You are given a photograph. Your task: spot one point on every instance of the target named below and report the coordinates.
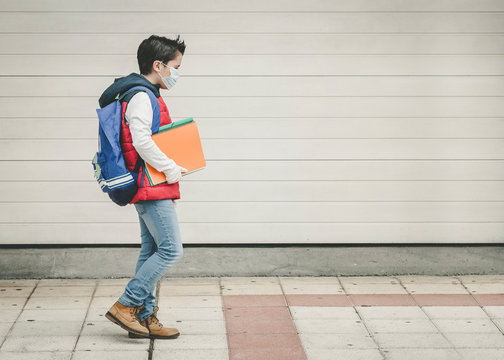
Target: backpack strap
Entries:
(137, 165)
(156, 118)
(156, 115)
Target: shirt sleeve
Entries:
(139, 118)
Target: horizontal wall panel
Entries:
(259, 212)
(296, 170)
(276, 149)
(257, 5)
(278, 128)
(258, 233)
(300, 107)
(321, 121)
(260, 65)
(93, 86)
(288, 191)
(260, 22)
(197, 44)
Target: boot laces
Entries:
(153, 317)
(134, 311)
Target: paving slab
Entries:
(268, 318)
(36, 355)
(455, 312)
(40, 342)
(190, 354)
(323, 312)
(422, 354)
(391, 312)
(112, 355)
(340, 341)
(411, 340)
(377, 326)
(347, 354)
(486, 354)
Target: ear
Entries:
(156, 66)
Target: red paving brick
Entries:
(489, 299)
(253, 300)
(260, 327)
(382, 300)
(318, 300)
(444, 300)
(257, 313)
(266, 354)
(264, 341)
(251, 326)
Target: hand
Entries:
(175, 175)
(174, 202)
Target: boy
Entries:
(159, 59)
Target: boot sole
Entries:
(153, 336)
(112, 318)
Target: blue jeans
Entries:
(161, 248)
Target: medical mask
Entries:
(169, 81)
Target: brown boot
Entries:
(126, 317)
(156, 329)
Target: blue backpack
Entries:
(108, 163)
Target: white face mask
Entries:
(169, 81)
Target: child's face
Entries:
(164, 71)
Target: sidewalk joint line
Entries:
(432, 322)
(85, 318)
(363, 322)
(290, 314)
(151, 343)
(22, 309)
(221, 287)
(481, 306)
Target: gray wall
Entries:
(321, 121)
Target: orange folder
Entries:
(181, 142)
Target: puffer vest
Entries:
(145, 190)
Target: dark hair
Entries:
(157, 48)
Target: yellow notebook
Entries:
(181, 142)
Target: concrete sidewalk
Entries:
(262, 318)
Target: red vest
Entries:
(145, 190)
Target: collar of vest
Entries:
(125, 83)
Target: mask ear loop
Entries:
(165, 65)
(159, 73)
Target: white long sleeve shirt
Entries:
(139, 118)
